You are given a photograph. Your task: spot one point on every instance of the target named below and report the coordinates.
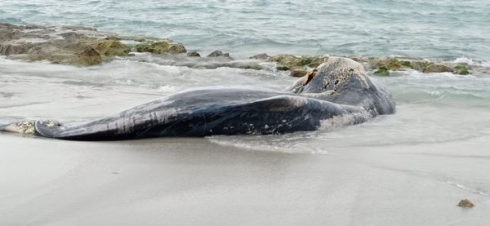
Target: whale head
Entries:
(335, 75)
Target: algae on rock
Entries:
(161, 46)
(382, 71)
(461, 70)
(292, 61)
(112, 47)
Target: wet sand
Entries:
(197, 182)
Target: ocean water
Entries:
(444, 29)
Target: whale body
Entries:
(340, 88)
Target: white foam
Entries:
(464, 60)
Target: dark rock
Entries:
(407, 64)
(465, 203)
(252, 66)
(218, 53)
(193, 54)
(262, 56)
(282, 68)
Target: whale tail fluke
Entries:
(23, 127)
(44, 128)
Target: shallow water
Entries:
(438, 29)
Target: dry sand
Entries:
(197, 182)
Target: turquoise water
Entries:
(443, 29)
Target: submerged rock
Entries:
(461, 70)
(387, 64)
(382, 71)
(252, 66)
(430, 67)
(465, 203)
(383, 66)
(193, 54)
(262, 56)
(219, 53)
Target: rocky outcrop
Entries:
(85, 46)
(382, 67)
(75, 45)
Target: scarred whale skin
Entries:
(340, 88)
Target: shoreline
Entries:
(85, 46)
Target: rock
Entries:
(72, 44)
(407, 64)
(291, 61)
(262, 56)
(382, 71)
(8, 49)
(437, 68)
(112, 48)
(420, 65)
(430, 67)
(465, 203)
(461, 70)
(193, 54)
(218, 53)
(298, 73)
(282, 68)
(161, 46)
(88, 57)
(252, 66)
(384, 65)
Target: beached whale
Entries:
(339, 90)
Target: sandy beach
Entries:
(196, 182)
